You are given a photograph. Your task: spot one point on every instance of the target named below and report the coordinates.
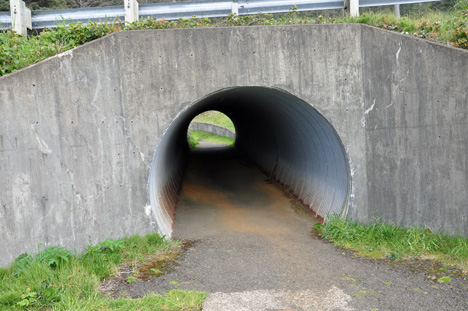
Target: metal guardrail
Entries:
(371, 3)
(175, 10)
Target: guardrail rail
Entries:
(131, 11)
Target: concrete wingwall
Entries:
(416, 98)
(79, 131)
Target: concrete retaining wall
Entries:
(79, 130)
(212, 128)
(416, 95)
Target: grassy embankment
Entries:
(382, 240)
(213, 117)
(17, 52)
(54, 279)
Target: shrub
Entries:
(193, 143)
(459, 33)
(54, 256)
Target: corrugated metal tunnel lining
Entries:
(287, 138)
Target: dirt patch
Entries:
(154, 265)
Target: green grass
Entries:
(212, 138)
(17, 52)
(174, 300)
(215, 117)
(54, 279)
(443, 27)
(382, 240)
(193, 143)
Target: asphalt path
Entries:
(253, 248)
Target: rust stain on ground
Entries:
(266, 218)
(224, 198)
(233, 216)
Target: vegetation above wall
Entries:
(16, 52)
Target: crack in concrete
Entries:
(43, 147)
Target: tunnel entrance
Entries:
(289, 140)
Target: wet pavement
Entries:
(253, 248)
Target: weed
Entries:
(27, 299)
(393, 256)
(96, 261)
(54, 256)
(49, 293)
(131, 279)
(155, 239)
(21, 264)
(111, 246)
(458, 34)
(445, 279)
(137, 247)
(193, 143)
(394, 242)
(101, 258)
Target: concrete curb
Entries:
(333, 299)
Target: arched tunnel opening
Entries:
(288, 139)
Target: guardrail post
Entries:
(352, 6)
(131, 11)
(20, 17)
(397, 10)
(235, 7)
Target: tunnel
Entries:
(288, 139)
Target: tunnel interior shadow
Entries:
(285, 137)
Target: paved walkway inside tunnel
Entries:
(253, 250)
